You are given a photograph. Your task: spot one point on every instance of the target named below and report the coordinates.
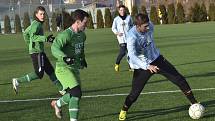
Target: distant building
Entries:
(128, 3)
(69, 1)
(92, 8)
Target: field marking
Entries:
(108, 95)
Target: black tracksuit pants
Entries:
(140, 78)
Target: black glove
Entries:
(68, 60)
(84, 63)
(50, 38)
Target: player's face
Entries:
(144, 27)
(121, 11)
(82, 24)
(40, 15)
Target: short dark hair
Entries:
(121, 6)
(39, 8)
(141, 19)
(79, 15)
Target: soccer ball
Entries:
(196, 111)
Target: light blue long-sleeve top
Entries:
(122, 26)
(141, 48)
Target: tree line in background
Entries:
(169, 15)
(175, 15)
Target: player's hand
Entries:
(68, 60)
(84, 63)
(119, 34)
(153, 69)
(50, 38)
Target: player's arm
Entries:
(131, 24)
(33, 36)
(83, 60)
(83, 53)
(114, 27)
(132, 54)
(151, 26)
(26, 34)
(56, 48)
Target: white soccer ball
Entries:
(196, 111)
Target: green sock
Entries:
(59, 86)
(63, 100)
(27, 78)
(74, 107)
(54, 79)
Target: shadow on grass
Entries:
(187, 77)
(196, 62)
(7, 83)
(151, 82)
(138, 115)
(101, 116)
(106, 89)
(13, 108)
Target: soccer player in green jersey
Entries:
(34, 38)
(68, 48)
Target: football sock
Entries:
(190, 97)
(63, 100)
(27, 78)
(125, 108)
(73, 119)
(54, 79)
(59, 85)
(74, 107)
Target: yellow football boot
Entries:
(116, 67)
(122, 115)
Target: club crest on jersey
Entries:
(78, 47)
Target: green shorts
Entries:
(67, 76)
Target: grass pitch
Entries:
(190, 47)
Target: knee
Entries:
(75, 92)
(123, 53)
(180, 80)
(39, 74)
(183, 85)
(49, 69)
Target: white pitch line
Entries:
(108, 95)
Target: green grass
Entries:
(190, 47)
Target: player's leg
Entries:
(38, 65)
(69, 80)
(51, 73)
(38, 73)
(75, 94)
(140, 78)
(58, 28)
(122, 52)
(169, 71)
(57, 104)
(72, 97)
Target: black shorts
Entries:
(41, 64)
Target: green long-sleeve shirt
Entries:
(34, 37)
(69, 44)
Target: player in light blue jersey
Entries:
(146, 60)
(120, 27)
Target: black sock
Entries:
(125, 108)
(190, 96)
